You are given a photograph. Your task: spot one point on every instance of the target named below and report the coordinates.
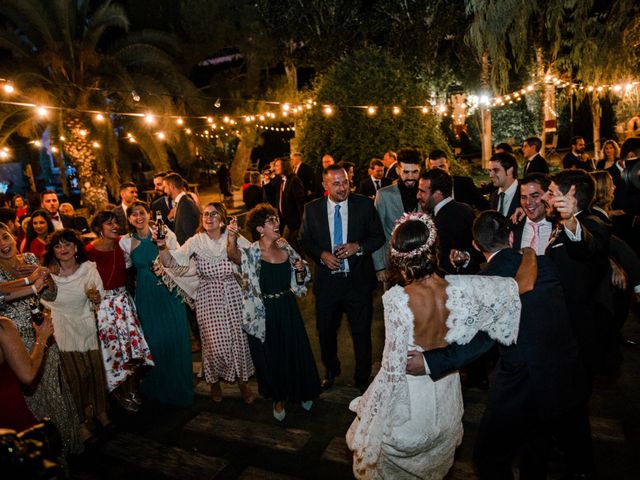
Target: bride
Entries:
(409, 426)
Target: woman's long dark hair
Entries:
(31, 233)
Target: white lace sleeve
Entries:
(386, 402)
(487, 303)
(125, 245)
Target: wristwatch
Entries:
(359, 252)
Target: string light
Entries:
(328, 110)
(41, 111)
(95, 145)
(396, 110)
(149, 119)
(8, 88)
(371, 110)
(99, 117)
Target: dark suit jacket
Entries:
(454, 222)
(77, 222)
(293, 200)
(187, 219)
(391, 172)
(161, 204)
(364, 227)
(306, 175)
(123, 223)
(252, 196)
(581, 266)
(537, 165)
(515, 202)
(464, 190)
(543, 367)
(572, 161)
(368, 189)
(624, 198)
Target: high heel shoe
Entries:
(307, 404)
(247, 394)
(281, 414)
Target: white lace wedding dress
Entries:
(409, 426)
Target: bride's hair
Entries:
(413, 249)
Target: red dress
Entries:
(14, 413)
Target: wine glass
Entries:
(91, 290)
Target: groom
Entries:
(538, 385)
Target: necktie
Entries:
(377, 185)
(536, 236)
(337, 231)
(501, 202)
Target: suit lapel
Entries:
(323, 218)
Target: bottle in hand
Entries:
(37, 315)
(160, 233)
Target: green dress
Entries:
(164, 322)
(285, 367)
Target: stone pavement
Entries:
(231, 440)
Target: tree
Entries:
(77, 57)
(369, 77)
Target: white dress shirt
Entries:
(509, 195)
(544, 233)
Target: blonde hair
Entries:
(604, 189)
(616, 149)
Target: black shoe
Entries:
(328, 380)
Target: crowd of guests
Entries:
(129, 290)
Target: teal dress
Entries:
(164, 322)
(285, 367)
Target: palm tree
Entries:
(78, 57)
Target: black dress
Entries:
(285, 367)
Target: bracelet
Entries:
(35, 290)
(44, 345)
(26, 281)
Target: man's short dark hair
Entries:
(332, 168)
(505, 147)
(347, 165)
(412, 156)
(534, 142)
(491, 231)
(375, 162)
(48, 192)
(507, 161)
(176, 180)
(160, 175)
(439, 181)
(7, 215)
(584, 183)
(574, 140)
(125, 185)
(437, 154)
(540, 178)
(630, 145)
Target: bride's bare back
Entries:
(427, 302)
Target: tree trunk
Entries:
(596, 116)
(290, 68)
(485, 113)
(240, 163)
(93, 191)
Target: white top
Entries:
(73, 320)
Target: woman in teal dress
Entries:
(163, 317)
(273, 275)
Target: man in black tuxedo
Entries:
(464, 190)
(535, 163)
(580, 252)
(305, 173)
(128, 195)
(503, 171)
(339, 233)
(162, 202)
(290, 200)
(187, 213)
(538, 384)
(453, 220)
(49, 201)
(375, 181)
(576, 157)
(535, 229)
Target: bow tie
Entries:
(56, 217)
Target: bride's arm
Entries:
(527, 271)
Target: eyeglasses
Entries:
(211, 214)
(272, 219)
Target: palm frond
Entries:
(106, 16)
(30, 17)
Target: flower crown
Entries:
(424, 218)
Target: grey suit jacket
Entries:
(388, 203)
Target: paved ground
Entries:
(233, 441)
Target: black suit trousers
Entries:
(357, 304)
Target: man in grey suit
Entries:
(187, 213)
(395, 200)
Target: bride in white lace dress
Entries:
(409, 426)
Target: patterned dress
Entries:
(49, 395)
(219, 310)
(122, 342)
